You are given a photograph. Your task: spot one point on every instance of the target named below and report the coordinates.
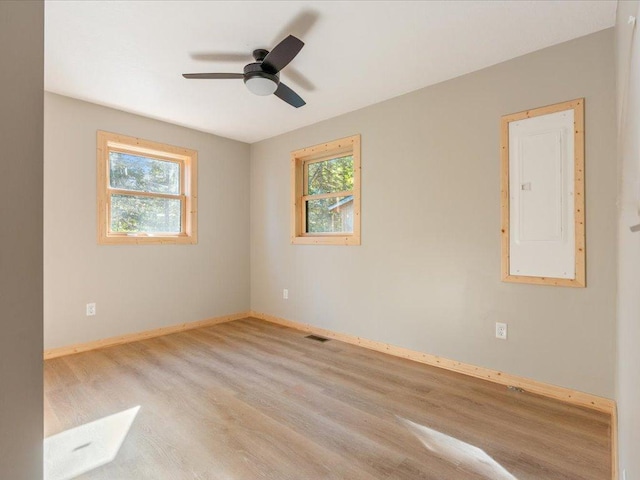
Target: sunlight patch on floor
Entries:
(458, 452)
(81, 449)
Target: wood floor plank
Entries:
(252, 400)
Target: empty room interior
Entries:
(320, 240)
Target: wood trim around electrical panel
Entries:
(577, 106)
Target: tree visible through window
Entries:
(146, 191)
(326, 193)
(329, 214)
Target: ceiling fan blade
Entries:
(221, 57)
(208, 76)
(292, 98)
(282, 54)
(299, 25)
(299, 79)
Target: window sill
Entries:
(147, 240)
(348, 240)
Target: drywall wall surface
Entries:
(427, 275)
(21, 87)
(628, 362)
(137, 287)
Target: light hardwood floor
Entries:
(252, 400)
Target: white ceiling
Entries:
(130, 55)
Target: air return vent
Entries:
(317, 338)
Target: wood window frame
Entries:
(299, 161)
(188, 161)
(579, 281)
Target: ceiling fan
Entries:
(262, 77)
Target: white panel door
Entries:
(541, 191)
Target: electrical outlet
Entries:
(501, 331)
(285, 294)
(91, 309)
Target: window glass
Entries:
(134, 214)
(330, 215)
(143, 174)
(333, 175)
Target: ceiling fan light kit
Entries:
(261, 85)
(262, 77)
(257, 80)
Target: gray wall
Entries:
(21, 83)
(137, 287)
(427, 275)
(628, 365)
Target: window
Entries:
(146, 191)
(326, 193)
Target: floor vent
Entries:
(317, 338)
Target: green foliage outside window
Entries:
(334, 175)
(330, 214)
(132, 214)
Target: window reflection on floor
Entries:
(81, 449)
(456, 451)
